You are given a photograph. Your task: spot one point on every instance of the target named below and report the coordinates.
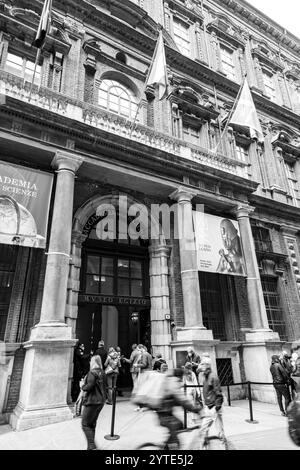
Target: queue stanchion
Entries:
(251, 420)
(112, 436)
(184, 411)
(228, 395)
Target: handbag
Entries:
(109, 370)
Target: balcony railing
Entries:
(15, 87)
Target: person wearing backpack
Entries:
(93, 400)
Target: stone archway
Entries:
(158, 274)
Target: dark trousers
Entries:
(174, 425)
(282, 391)
(88, 423)
(111, 380)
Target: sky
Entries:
(284, 12)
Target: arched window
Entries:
(117, 98)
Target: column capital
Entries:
(66, 161)
(243, 210)
(182, 195)
(78, 238)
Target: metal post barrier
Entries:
(251, 420)
(112, 436)
(228, 395)
(184, 411)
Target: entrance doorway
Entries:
(115, 324)
(114, 300)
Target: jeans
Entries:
(211, 425)
(282, 390)
(111, 382)
(88, 423)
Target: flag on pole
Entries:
(43, 25)
(158, 70)
(245, 114)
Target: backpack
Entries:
(150, 390)
(293, 414)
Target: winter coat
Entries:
(94, 387)
(158, 363)
(279, 374)
(145, 361)
(212, 392)
(102, 353)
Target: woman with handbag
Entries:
(94, 394)
(111, 365)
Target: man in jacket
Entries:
(280, 382)
(145, 362)
(101, 351)
(213, 399)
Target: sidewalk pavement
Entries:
(135, 428)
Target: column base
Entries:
(200, 339)
(262, 335)
(258, 349)
(43, 394)
(22, 419)
(194, 333)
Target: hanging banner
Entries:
(219, 247)
(24, 205)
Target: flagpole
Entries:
(38, 54)
(144, 89)
(230, 114)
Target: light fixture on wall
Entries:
(135, 317)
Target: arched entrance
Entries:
(118, 290)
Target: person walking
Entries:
(212, 410)
(111, 365)
(280, 383)
(93, 400)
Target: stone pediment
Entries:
(285, 139)
(264, 53)
(226, 29)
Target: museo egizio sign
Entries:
(113, 300)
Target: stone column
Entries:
(256, 302)
(160, 307)
(43, 394)
(260, 342)
(193, 330)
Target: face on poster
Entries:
(24, 205)
(218, 244)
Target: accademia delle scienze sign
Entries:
(24, 205)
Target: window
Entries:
(269, 86)
(191, 134)
(117, 98)
(262, 239)
(293, 186)
(273, 306)
(8, 256)
(22, 67)
(224, 370)
(242, 153)
(109, 275)
(227, 62)
(182, 37)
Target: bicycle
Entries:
(209, 442)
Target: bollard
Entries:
(228, 395)
(112, 436)
(184, 411)
(251, 420)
